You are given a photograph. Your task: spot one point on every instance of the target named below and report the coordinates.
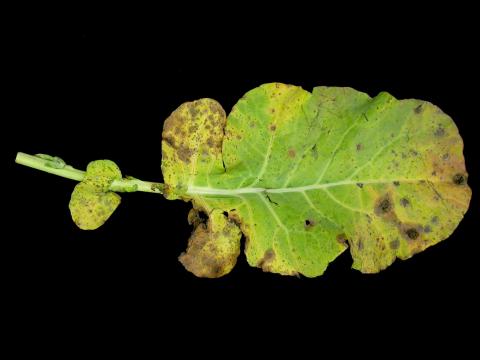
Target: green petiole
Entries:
(56, 166)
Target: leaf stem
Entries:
(53, 166)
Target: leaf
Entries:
(307, 175)
(91, 203)
(212, 249)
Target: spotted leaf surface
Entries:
(306, 176)
(91, 203)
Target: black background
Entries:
(101, 88)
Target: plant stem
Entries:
(66, 171)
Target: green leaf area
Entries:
(305, 176)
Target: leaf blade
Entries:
(338, 169)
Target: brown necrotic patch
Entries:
(384, 205)
(410, 231)
(273, 127)
(342, 238)
(184, 153)
(266, 260)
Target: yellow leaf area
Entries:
(305, 176)
(91, 203)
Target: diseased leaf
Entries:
(92, 203)
(213, 248)
(307, 175)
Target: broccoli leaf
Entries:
(305, 176)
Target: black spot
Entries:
(404, 202)
(427, 229)
(396, 183)
(434, 220)
(412, 233)
(445, 156)
(309, 223)
(418, 109)
(360, 185)
(359, 146)
(459, 179)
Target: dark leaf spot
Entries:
(273, 127)
(291, 153)
(440, 131)
(459, 179)
(383, 206)
(434, 220)
(396, 183)
(309, 223)
(394, 244)
(268, 257)
(418, 109)
(427, 229)
(342, 238)
(412, 233)
(404, 202)
(359, 146)
(360, 185)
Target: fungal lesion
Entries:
(384, 205)
(459, 179)
(214, 245)
(412, 233)
(309, 223)
(265, 262)
(418, 109)
(342, 239)
(384, 208)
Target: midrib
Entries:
(205, 190)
